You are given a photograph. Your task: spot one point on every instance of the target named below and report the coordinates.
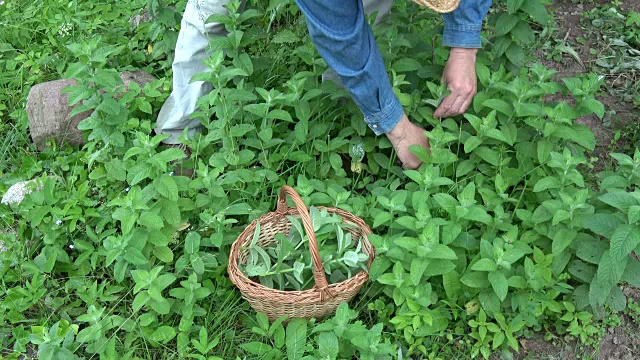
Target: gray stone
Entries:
(142, 17)
(48, 110)
(16, 193)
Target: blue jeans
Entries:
(344, 39)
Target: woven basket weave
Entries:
(441, 6)
(323, 298)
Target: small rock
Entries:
(138, 19)
(616, 340)
(16, 193)
(48, 110)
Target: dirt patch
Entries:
(618, 343)
(629, 5)
(537, 348)
(573, 41)
(623, 342)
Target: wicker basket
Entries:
(441, 6)
(323, 298)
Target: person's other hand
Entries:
(404, 135)
(460, 76)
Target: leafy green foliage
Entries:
(513, 30)
(499, 234)
(289, 266)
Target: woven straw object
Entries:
(323, 298)
(441, 6)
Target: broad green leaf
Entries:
(549, 182)
(634, 214)
(192, 243)
(150, 220)
(489, 155)
(515, 54)
(499, 105)
(544, 149)
(582, 271)
(475, 279)
(163, 253)
(418, 268)
(406, 242)
(328, 345)
(171, 212)
(602, 224)
(472, 143)
(467, 195)
(256, 348)
(624, 240)
(505, 23)
(280, 115)
(296, 338)
(239, 130)
(116, 169)
(170, 155)
(611, 269)
(537, 11)
(484, 265)
(477, 213)
(562, 239)
(164, 334)
(598, 293)
(525, 34)
(166, 186)
(382, 218)
(617, 301)
(406, 64)
(135, 256)
(517, 282)
(452, 284)
(499, 284)
(514, 5)
(591, 251)
(632, 273)
(489, 301)
(593, 105)
(438, 267)
(439, 251)
(619, 199)
(446, 201)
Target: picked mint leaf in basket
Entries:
(288, 265)
(280, 262)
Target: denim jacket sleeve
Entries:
(342, 36)
(462, 27)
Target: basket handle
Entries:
(318, 269)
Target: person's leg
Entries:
(381, 8)
(191, 49)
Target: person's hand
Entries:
(404, 135)
(460, 76)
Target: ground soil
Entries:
(569, 28)
(619, 343)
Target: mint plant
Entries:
(288, 264)
(509, 229)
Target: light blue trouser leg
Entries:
(192, 48)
